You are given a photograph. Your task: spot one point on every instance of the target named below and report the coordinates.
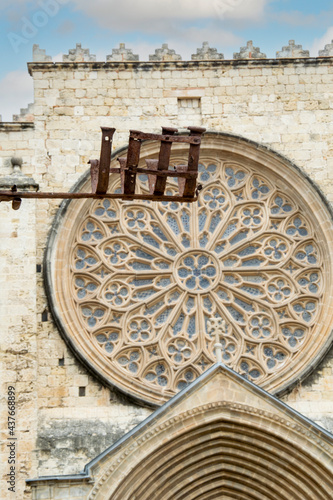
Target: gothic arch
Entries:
(227, 459)
(221, 437)
(131, 285)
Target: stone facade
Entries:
(283, 105)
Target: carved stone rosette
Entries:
(134, 285)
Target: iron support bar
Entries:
(10, 196)
(105, 160)
(193, 160)
(133, 158)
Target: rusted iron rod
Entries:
(9, 196)
(144, 136)
(132, 161)
(105, 160)
(193, 160)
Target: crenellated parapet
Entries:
(122, 54)
(39, 55)
(327, 51)
(79, 55)
(292, 51)
(165, 54)
(249, 52)
(206, 53)
(25, 115)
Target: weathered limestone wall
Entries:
(17, 139)
(18, 344)
(65, 417)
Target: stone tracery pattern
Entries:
(147, 277)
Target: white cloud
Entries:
(28, 4)
(16, 91)
(158, 17)
(217, 37)
(319, 43)
(17, 11)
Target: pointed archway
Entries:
(227, 459)
(222, 437)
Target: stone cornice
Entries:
(16, 126)
(149, 65)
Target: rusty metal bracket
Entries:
(157, 170)
(13, 197)
(163, 161)
(100, 170)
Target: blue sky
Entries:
(100, 25)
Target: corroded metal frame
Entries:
(157, 170)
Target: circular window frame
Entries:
(280, 171)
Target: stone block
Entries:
(41, 84)
(81, 380)
(78, 491)
(43, 493)
(61, 492)
(80, 93)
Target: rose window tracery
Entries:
(146, 277)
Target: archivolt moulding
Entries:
(236, 442)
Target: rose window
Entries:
(143, 279)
